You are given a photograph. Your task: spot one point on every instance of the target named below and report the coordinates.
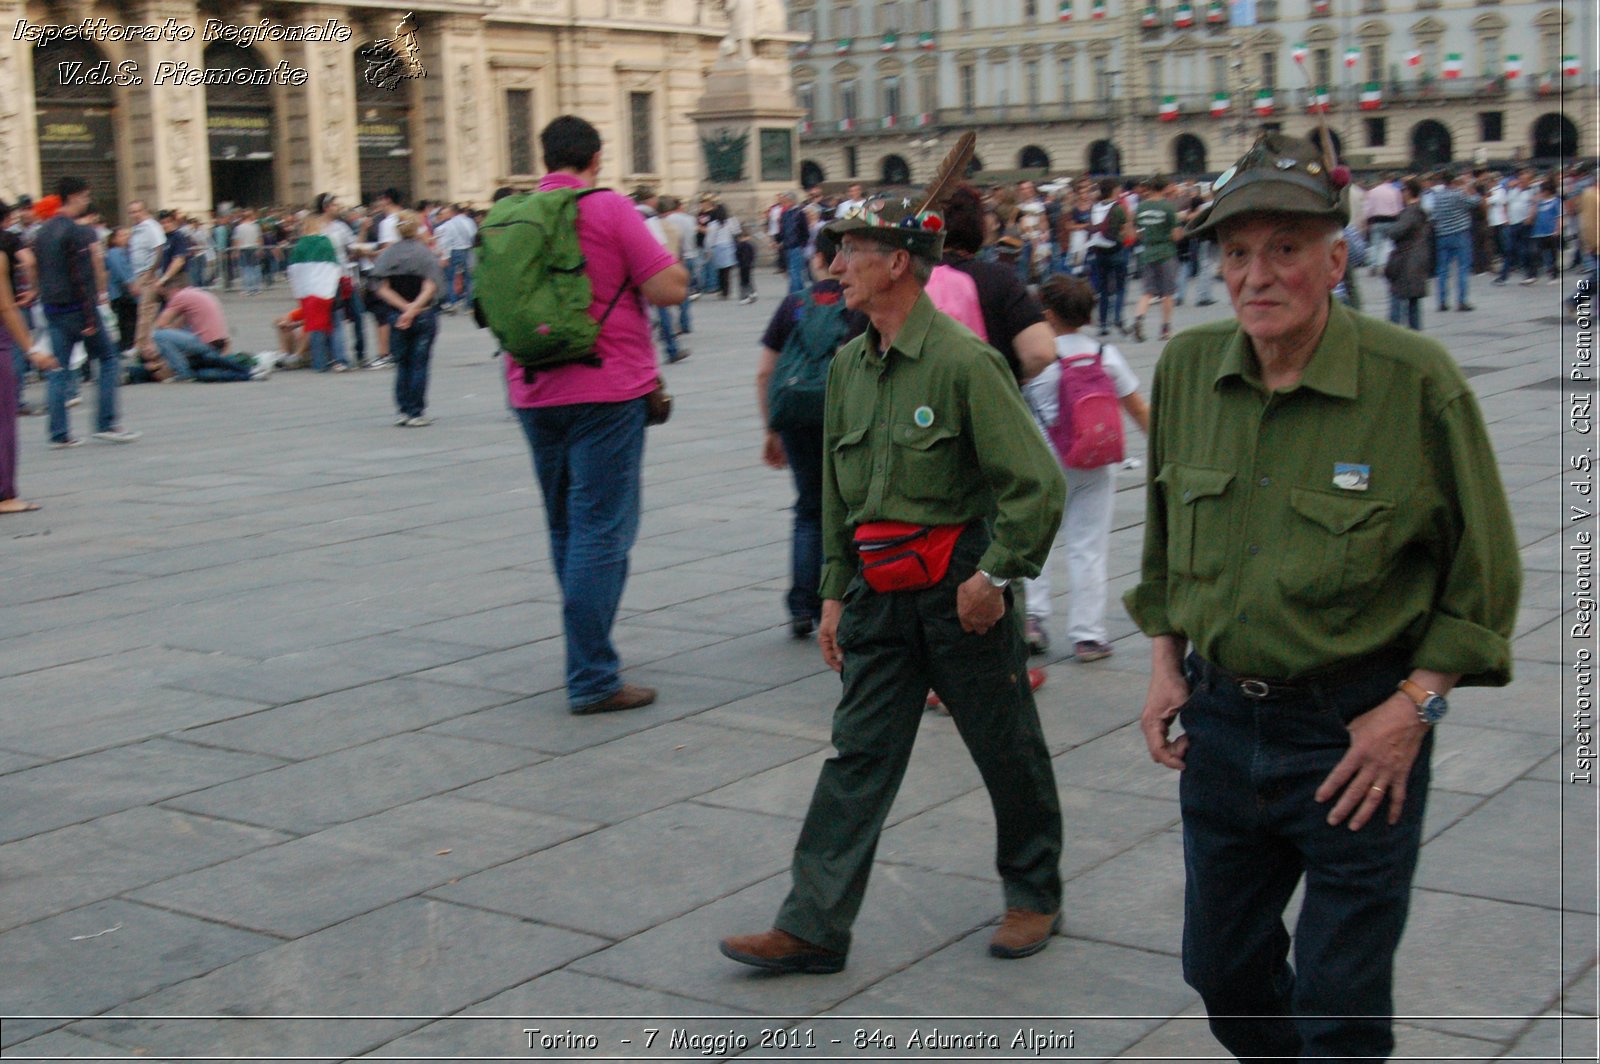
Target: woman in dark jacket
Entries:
(1410, 263)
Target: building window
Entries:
(1491, 125)
(889, 18)
(1065, 73)
(927, 15)
(1266, 10)
(1322, 63)
(804, 22)
(1153, 78)
(639, 132)
(806, 96)
(1030, 10)
(1373, 52)
(847, 102)
(519, 130)
(969, 87)
(1491, 57)
(1030, 80)
(850, 160)
(1430, 59)
(964, 14)
(1269, 71)
(1377, 132)
(928, 90)
(844, 22)
(891, 96)
(1219, 73)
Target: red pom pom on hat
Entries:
(1339, 177)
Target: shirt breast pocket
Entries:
(852, 466)
(1336, 547)
(1197, 519)
(925, 460)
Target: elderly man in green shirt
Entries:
(1327, 553)
(937, 493)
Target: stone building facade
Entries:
(1182, 86)
(193, 103)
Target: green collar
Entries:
(909, 340)
(1333, 365)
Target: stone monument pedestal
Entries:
(748, 123)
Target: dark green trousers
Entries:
(896, 647)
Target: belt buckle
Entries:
(1256, 689)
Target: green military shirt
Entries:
(935, 432)
(1156, 221)
(1359, 511)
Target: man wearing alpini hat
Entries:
(1327, 554)
(937, 493)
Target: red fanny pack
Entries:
(900, 556)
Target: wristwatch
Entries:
(995, 581)
(1431, 706)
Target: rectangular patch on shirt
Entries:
(1351, 477)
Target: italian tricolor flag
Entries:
(1352, 56)
(925, 119)
(842, 46)
(1064, 11)
(1569, 66)
(1184, 18)
(805, 126)
(1264, 102)
(1299, 52)
(1097, 10)
(1319, 100)
(1452, 65)
(1413, 59)
(1513, 66)
(925, 41)
(846, 124)
(890, 39)
(1216, 12)
(1220, 104)
(1150, 19)
(889, 121)
(1169, 109)
(1371, 96)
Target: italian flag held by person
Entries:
(314, 268)
(1169, 109)
(1452, 65)
(1371, 97)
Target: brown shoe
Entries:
(779, 951)
(628, 696)
(1022, 933)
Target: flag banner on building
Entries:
(1570, 67)
(890, 121)
(846, 124)
(1150, 19)
(890, 39)
(1352, 56)
(1216, 13)
(925, 41)
(925, 119)
(1264, 102)
(1413, 59)
(1097, 10)
(1371, 96)
(1064, 11)
(802, 49)
(1513, 66)
(1299, 52)
(1319, 7)
(1169, 109)
(805, 126)
(1318, 102)
(1183, 18)
(1242, 12)
(842, 46)
(1220, 104)
(1452, 65)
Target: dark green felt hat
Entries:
(1278, 175)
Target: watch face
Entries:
(1433, 709)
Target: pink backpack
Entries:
(1088, 429)
(956, 294)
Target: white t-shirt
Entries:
(1043, 393)
(389, 229)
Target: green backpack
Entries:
(529, 282)
(797, 393)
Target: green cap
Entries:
(894, 220)
(1278, 175)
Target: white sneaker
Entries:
(117, 436)
(261, 372)
(418, 422)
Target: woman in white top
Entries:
(721, 236)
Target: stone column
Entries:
(164, 127)
(458, 135)
(19, 136)
(317, 136)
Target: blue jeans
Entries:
(411, 349)
(66, 329)
(588, 458)
(1251, 831)
(1457, 248)
(250, 268)
(1406, 312)
(799, 271)
(354, 310)
(804, 450)
(191, 358)
(669, 335)
(459, 264)
(1109, 275)
(327, 348)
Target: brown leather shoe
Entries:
(779, 951)
(1022, 933)
(628, 696)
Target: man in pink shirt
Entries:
(585, 423)
(192, 335)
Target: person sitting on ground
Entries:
(191, 334)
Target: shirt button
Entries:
(1188, 495)
(1266, 482)
(1243, 619)
(1254, 549)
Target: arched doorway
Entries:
(811, 174)
(1554, 137)
(383, 126)
(1104, 158)
(896, 171)
(1430, 144)
(1188, 154)
(1033, 157)
(1315, 137)
(77, 121)
(239, 130)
